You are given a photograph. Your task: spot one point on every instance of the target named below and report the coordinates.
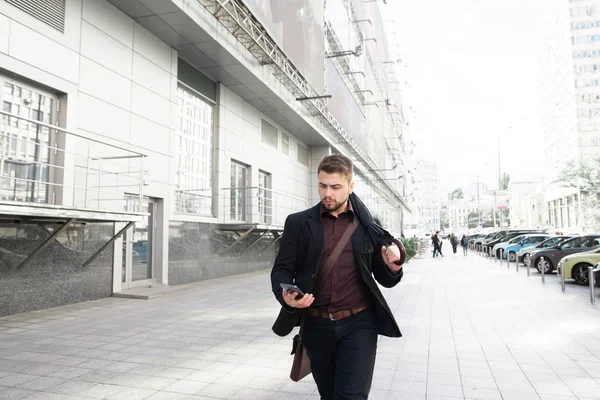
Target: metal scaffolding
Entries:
(240, 22)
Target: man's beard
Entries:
(334, 206)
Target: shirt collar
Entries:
(348, 210)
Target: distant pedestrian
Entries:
(453, 242)
(437, 244)
(464, 242)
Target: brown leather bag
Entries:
(301, 363)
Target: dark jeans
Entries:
(342, 354)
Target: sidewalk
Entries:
(472, 329)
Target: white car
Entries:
(500, 247)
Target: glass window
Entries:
(302, 155)
(193, 154)
(285, 144)
(268, 134)
(576, 243)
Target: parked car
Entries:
(525, 252)
(505, 238)
(529, 241)
(552, 255)
(596, 271)
(576, 265)
(499, 248)
(479, 241)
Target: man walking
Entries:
(342, 309)
(437, 244)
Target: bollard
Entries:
(562, 275)
(543, 270)
(528, 268)
(517, 261)
(592, 288)
(502, 257)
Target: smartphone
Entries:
(292, 289)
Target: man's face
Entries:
(334, 190)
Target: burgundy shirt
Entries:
(344, 289)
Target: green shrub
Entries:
(411, 245)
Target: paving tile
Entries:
(132, 394)
(186, 387)
(220, 391)
(41, 383)
(444, 390)
(11, 393)
(481, 393)
(16, 379)
(465, 336)
(516, 395)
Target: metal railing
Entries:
(258, 205)
(45, 164)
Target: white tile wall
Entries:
(110, 20)
(105, 50)
(98, 81)
(150, 105)
(4, 33)
(150, 135)
(151, 47)
(36, 49)
(151, 76)
(102, 118)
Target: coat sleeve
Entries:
(381, 272)
(284, 268)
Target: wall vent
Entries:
(50, 12)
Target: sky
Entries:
(471, 68)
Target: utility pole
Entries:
(499, 172)
(478, 208)
(494, 210)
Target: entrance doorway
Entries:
(139, 246)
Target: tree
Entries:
(585, 177)
(582, 176)
(504, 181)
(473, 218)
(444, 218)
(456, 194)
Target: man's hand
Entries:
(390, 255)
(290, 299)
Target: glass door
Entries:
(139, 247)
(265, 209)
(239, 186)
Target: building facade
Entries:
(147, 142)
(569, 34)
(425, 202)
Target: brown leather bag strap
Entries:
(325, 270)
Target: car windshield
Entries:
(517, 239)
(579, 243)
(552, 242)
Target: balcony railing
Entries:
(258, 205)
(41, 164)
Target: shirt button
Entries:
(313, 276)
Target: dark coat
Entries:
(299, 257)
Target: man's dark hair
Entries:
(336, 163)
